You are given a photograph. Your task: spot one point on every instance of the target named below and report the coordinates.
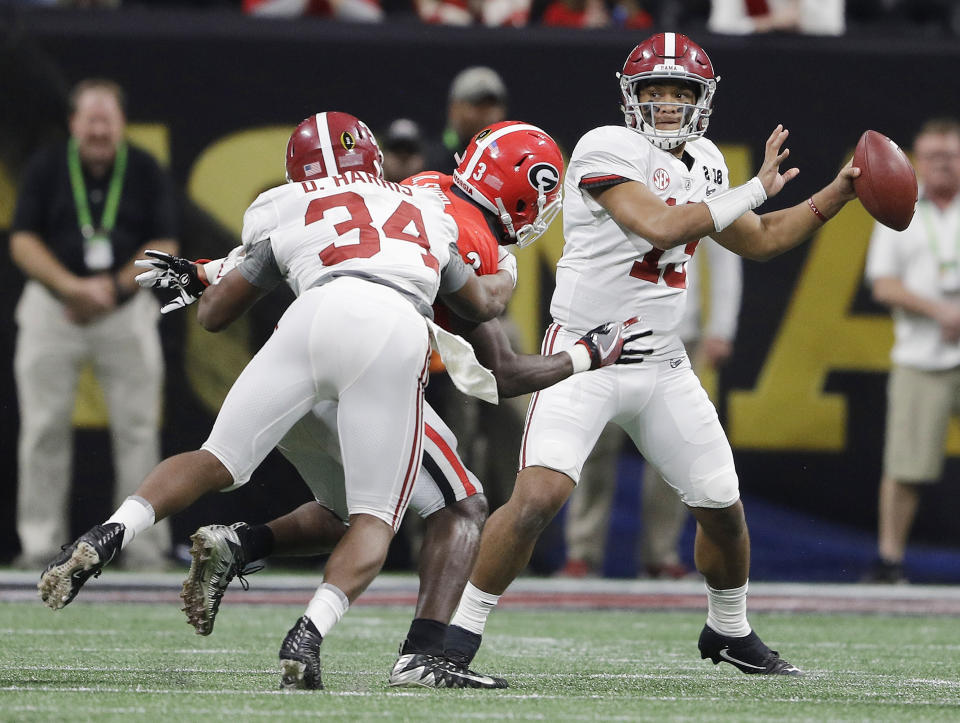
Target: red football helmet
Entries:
(327, 144)
(514, 170)
(667, 57)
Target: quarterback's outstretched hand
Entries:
(605, 345)
(769, 174)
(171, 272)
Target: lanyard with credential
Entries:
(98, 251)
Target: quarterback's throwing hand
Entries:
(605, 344)
(171, 272)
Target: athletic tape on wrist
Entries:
(580, 356)
(727, 207)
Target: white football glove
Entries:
(506, 261)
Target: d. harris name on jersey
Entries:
(348, 177)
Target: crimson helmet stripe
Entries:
(670, 45)
(326, 147)
(484, 142)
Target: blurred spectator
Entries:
(576, 14)
(741, 17)
(492, 13)
(708, 328)
(351, 10)
(917, 274)
(85, 210)
(477, 98)
(402, 148)
(81, 4)
(596, 14)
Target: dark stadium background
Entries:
(204, 76)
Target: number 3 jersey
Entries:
(358, 225)
(608, 272)
(477, 245)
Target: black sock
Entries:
(424, 636)
(461, 645)
(257, 542)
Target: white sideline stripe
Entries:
(696, 673)
(11, 580)
(893, 698)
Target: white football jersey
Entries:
(608, 273)
(354, 223)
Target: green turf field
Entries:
(117, 662)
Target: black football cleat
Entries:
(78, 562)
(300, 657)
(217, 557)
(430, 671)
(460, 676)
(748, 654)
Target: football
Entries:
(887, 184)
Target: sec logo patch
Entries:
(661, 179)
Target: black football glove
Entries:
(606, 343)
(171, 272)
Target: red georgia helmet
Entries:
(327, 144)
(514, 170)
(667, 57)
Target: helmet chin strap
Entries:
(505, 218)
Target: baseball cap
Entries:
(478, 84)
(402, 135)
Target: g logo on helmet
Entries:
(544, 177)
(348, 141)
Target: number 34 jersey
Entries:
(606, 271)
(355, 224)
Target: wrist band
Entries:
(816, 211)
(727, 207)
(580, 356)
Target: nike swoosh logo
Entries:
(711, 191)
(477, 678)
(724, 653)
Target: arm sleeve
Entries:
(455, 273)
(259, 266)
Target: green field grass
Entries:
(120, 662)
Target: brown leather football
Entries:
(887, 184)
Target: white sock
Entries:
(727, 611)
(136, 515)
(474, 609)
(327, 607)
